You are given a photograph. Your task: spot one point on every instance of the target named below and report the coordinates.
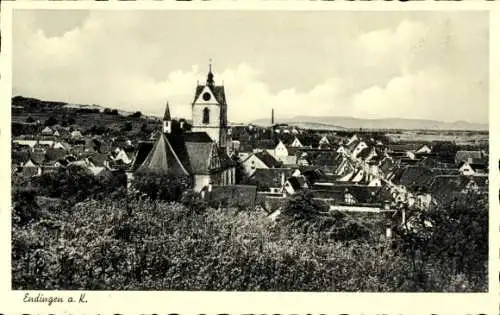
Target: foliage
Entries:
(109, 111)
(455, 235)
(98, 130)
(127, 126)
(102, 238)
(136, 244)
(162, 187)
(30, 119)
(51, 121)
(136, 115)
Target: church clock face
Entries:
(206, 96)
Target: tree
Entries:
(30, 120)
(51, 121)
(162, 187)
(136, 115)
(127, 126)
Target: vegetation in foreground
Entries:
(98, 240)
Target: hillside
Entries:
(339, 123)
(84, 117)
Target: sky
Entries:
(428, 65)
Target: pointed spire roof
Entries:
(167, 116)
(163, 160)
(210, 76)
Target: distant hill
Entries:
(340, 123)
(31, 104)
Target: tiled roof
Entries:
(267, 159)
(163, 160)
(199, 156)
(98, 159)
(20, 156)
(55, 154)
(463, 156)
(142, 152)
(416, 176)
(362, 193)
(270, 177)
(197, 137)
(37, 157)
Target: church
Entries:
(203, 152)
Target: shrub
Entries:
(162, 187)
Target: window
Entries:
(206, 115)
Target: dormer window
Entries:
(206, 115)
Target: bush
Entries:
(136, 115)
(51, 121)
(162, 187)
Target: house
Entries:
(30, 169)
(53, 155)
(97, 163)
(360, 146)
(61, 145)
(270, 179)
(353, 139)
(123, 156)
(324, 141)
(467, 156)
(470, 168)
(423, 149)
(47, 131)
(76, 134)
(280, 150)
(294, 184)
(416, 177)
(260, 160)
(296, 143)
(447, 188)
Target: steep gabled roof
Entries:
(417, 175)
(163, 160)
(267, 159)
(200, 136)
(217, 91)
(142, 153)
(55, 154)
(270, 177)
(167, 116)
(464, 156)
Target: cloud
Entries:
(412, 69)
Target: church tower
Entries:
(167, 121)
(209, 110)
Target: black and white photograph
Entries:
(250, 150)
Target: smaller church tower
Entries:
(167, 121)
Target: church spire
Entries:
(167, 116)
(210, 76)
